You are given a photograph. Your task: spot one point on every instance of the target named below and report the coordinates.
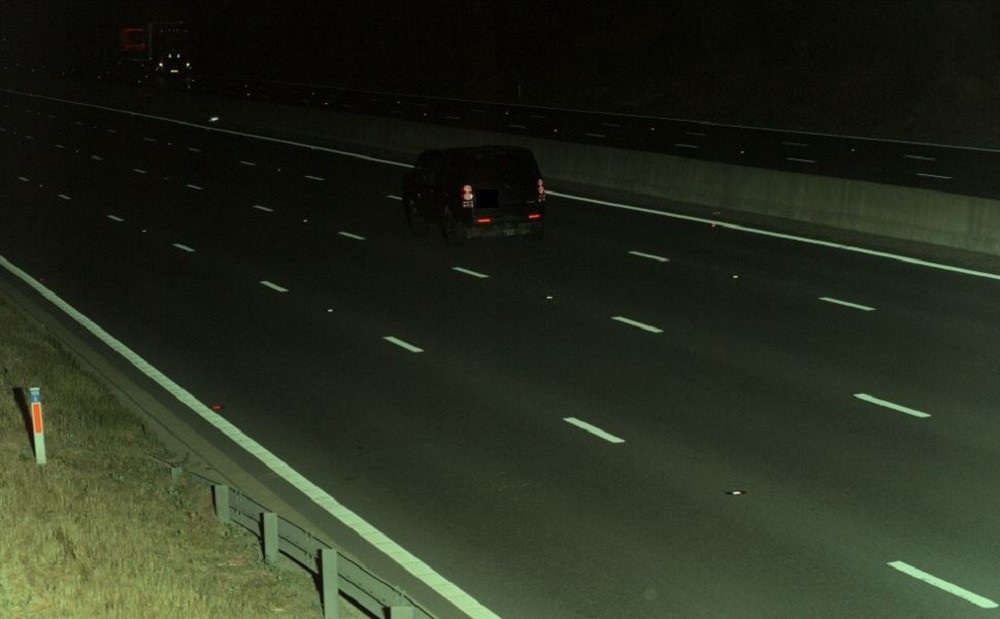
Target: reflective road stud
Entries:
(36, 424)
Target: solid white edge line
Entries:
(777, 235)
(847, 304)
(944, 585)
(370, 534)
(470, 272)
(263, 208)
(273, 286)
(885, 403)
(636, 323)
(583, 425)
(184, 247)
(402, 344)
(350, 235)
(650, 256)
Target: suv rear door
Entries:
(504, 181)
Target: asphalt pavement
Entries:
(635, 417)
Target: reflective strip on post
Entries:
(38, 429)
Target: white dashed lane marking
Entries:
(138, 171)
(195, 187)
(263, 208)
(148, 139)
(890, 405)
(393, 197)
(847, 304)
(115, 218)
(64, 196)
(402, 344)
(583, 425)
(248, 163)
(637, 324)
(349, 235)
(273, 286)
(649, 256)
(314, 178)
(469, 272)
(943, 585)
(96, 157)
(184, 248)
(193, 149)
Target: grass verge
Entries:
(101, 530)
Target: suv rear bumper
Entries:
(504, 228)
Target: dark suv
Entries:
(476, 191)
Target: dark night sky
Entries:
(680, 56)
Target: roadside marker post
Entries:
(36, 424)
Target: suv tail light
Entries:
(468, 201)
(541, 190)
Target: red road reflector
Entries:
(534, 215)
(483, 220)
(216, 407)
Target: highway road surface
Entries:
(637, 417)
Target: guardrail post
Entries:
(36, 424)
(220, 494)
(269, 521)
(400, 612)
(329, 576)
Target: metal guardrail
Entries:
(337, 573)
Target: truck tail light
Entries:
(483, 220)
(534, 216)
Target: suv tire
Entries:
(455, 231)
(417, 223)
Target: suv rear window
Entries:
(496, 168)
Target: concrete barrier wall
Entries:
(920, 215)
